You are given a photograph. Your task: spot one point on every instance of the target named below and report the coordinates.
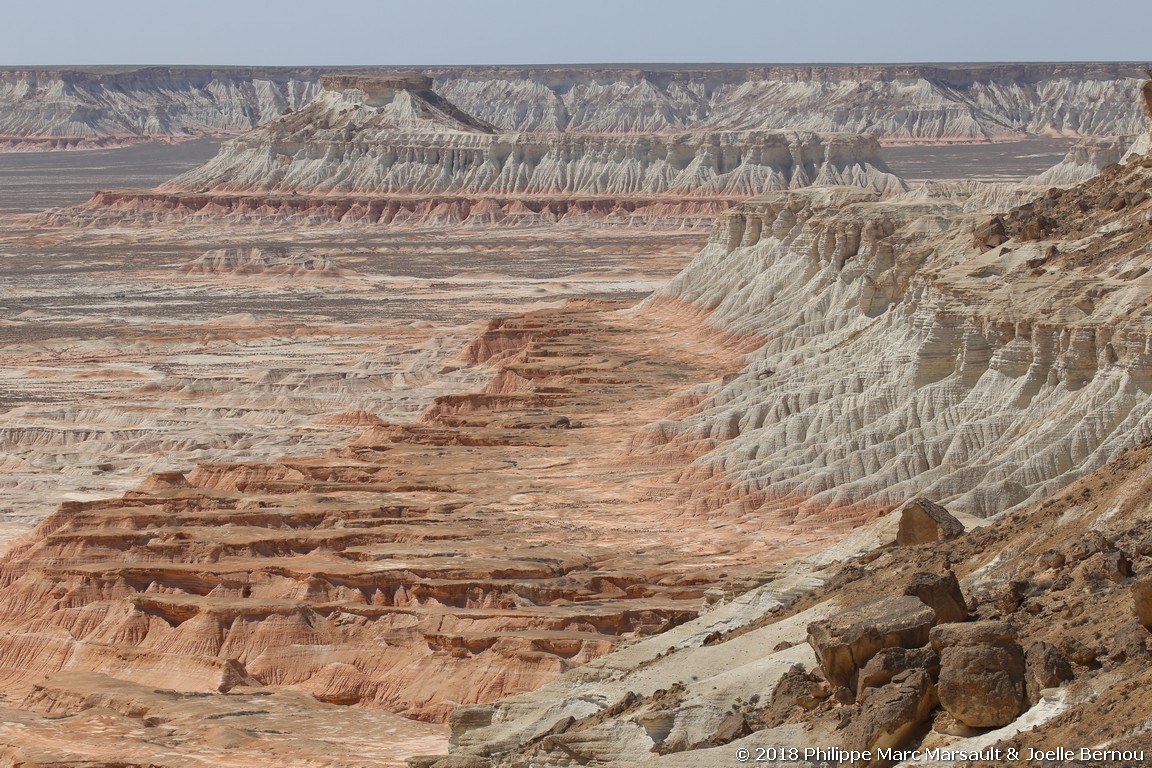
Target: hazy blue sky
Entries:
(516, 32)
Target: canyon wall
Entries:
(911, 346)
(85, 107)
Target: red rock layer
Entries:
(484, 550)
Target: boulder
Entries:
(1142, 597)
(940, 592)
(1107, 566)
(923, 521)
(990, 234)
(972, 633)
(1045, 667)
(982, 672)
(1092, 543)
(893, 714)
(846, 643)
(796, 688)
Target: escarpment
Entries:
(901, 354)
(98, 107)
(375, 150)
(88, 107)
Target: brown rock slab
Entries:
(1045, 667)
(923, 521)
(940, 592)
(796, 688)
(890, 662)
(1142, 598)
(894, 714)
(846, 643)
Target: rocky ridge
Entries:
(986, 370)
(900, 103)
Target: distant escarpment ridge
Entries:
(69, 108)
(374, 149)
(51, 108)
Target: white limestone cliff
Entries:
(895, 358)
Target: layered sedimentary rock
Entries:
(1052, 390)
(282, 262)
(84, 108)
(903, 354)
(453, 560)
(900, 103)
(378, 150)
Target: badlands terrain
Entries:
(555, 417)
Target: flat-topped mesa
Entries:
(359, 156)
(378, 88)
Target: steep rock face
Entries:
(63, 109)
(382, 161)
(899, 359)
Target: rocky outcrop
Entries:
(843, 647)
(264, 261)
(1084, 160)
(940, 592)
(1104, 656)
(892, 715)
(1045, 667)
